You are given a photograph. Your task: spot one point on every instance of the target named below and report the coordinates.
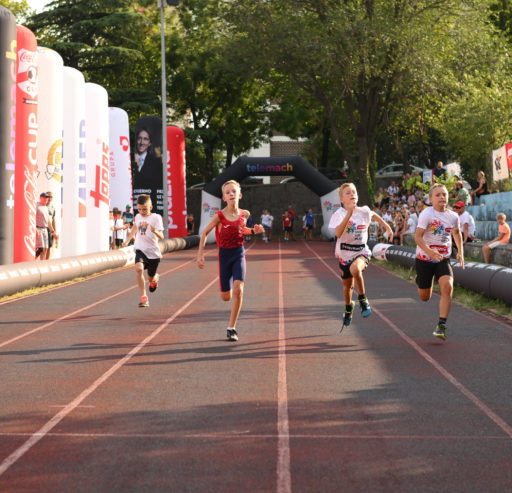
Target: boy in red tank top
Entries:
(230, 228)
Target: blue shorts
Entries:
(231, 267)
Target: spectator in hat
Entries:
(128, 215)
(467, 223)
(43, 225)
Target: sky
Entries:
(37, 4)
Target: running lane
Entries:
(116, 398)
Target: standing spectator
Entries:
(128, 215)
(267, 220)
(440, 171)
(43, 224)
(502, 239)
(287, 223)
(310, 224)
(481, 189)
(51, 213)
(190, 224)
(461, 192)
(467, 223)
(292, 215)
(392, 189)
(118, 229)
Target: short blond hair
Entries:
(345, 185)
(231, 182)
(434, 186)
(501, 215)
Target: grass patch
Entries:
(48, 287)
(476, 301)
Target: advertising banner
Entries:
(7, 132)
(74, 227)
(147, 161)
(25, 190)
(98, 173)
(49, 145)
(120, 167)
(499, 164)
(330, 203)
(176, 183)
(210, 204)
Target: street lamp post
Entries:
(161, 4)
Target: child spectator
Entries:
(502, 239)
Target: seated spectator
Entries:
(502, 239)
(481, 189)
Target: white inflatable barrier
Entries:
(24, 275)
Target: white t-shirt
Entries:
(464, 218)
(356, 233)
(145, 240)
(267, 220)
(120, 234)
(438, 227)
(411, 226)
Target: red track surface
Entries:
(98, 395)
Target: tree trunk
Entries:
(326, 136)
(229, 154)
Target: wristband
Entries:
(252, 231)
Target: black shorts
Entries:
(345, 269)
(151, 264)
(50, 238)
(426, 271)
(288, 229)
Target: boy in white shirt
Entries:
(350, 225)
(148, 229)
(436, 225)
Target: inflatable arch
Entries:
(245, 166)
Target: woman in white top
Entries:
(350, 225)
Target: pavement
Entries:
(99, 395)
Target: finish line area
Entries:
(101, 395)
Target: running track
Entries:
(98, 395)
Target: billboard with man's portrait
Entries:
(147, 161)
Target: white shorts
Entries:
(495, 244)
(42, 238)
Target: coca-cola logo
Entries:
(27, 56)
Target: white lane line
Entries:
(245, 435)
(445, 373)
(92, 305)
(46, 428)
(284, 484)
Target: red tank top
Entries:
(231, 233)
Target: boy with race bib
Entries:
(350, 225)
(436, 225)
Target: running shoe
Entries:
(440, 331)
(365, 307)
(143, 302)
(153, 285)
(232, 335)
(347, 316)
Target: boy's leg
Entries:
(139, 270)
(236, 305)
(446, 287)
(356, 269)
(486, 251)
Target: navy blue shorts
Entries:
(231, 267)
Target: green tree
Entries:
(111, 42)
(19, 8)
(209, 79)
(364, 61)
